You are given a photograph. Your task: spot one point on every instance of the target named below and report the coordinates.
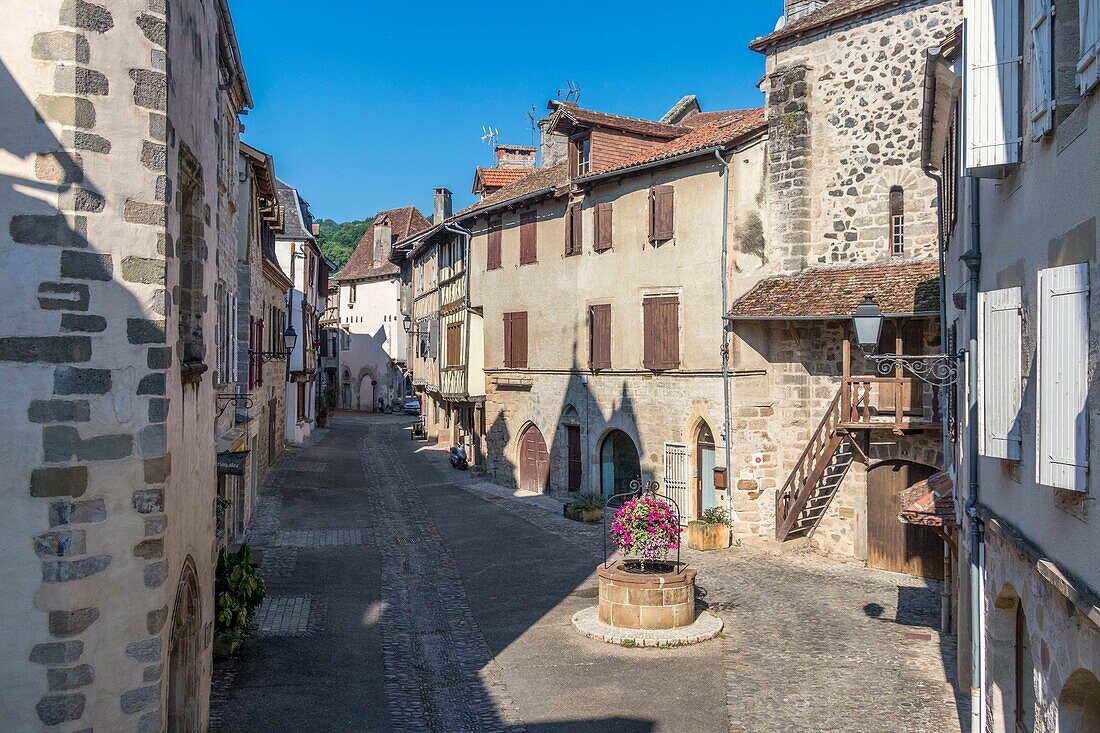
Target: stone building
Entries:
(847, 211)
(1016, 145)
(599, 280)
(373, 342)
(118, 164)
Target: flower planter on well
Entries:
(705, 536)
(582, 515)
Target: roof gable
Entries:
(363, 263)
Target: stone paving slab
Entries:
(318, 538)
(289, 616)
(705, 627)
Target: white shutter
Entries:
(676, 476)
(1042, 102)
(992, 83)
(433, 338)
(1063, 444)
(999, 337)
(1088, 67)
(234, 369)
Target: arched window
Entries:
(897, 221)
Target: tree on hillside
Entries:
(338, 240)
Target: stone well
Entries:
(646, 600)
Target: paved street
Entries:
(405, 596)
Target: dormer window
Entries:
(582, 152)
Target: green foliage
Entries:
(337, 241)
(715, 515)
(238, 592)
(584, 500)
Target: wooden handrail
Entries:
(793, 493)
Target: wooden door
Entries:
(573, 439)
(534, 462)
(891, 544)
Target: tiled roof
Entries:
(716, 128)
(294, 225)
(831, 12)
(834, 291)
(540, 180)
(646, 128)
(496, 177)
(930, 502)
(403, 222)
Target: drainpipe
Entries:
(466, 235)
(724, 176)
(972, 258)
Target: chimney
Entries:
(316, 229)
(793, 9)
(442, 205)
(515, 156)
(383, 241)
(554, 146)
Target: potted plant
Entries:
(646, 529)
(711, 531)
(238, 592)
(587, 506)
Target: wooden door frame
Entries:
(869, 501)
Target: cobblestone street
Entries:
(405, 596)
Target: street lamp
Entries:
(290, 337)
(939, 370)
(407, 323)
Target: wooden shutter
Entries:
(508, 340)
(519, 340)
(993, 96)
(454, 343)
(528, 248)
(492, 257)
(601, 226)
(1063, 444)
(252, 326)
(259, 347)
(599, 351)
(1000, 326)
(661, 319)
(1042, 100)
(660, 213)
(574, 231)
(433, 338)
(1088, 66)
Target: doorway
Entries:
(573, 441)
(891, 544)
(705, 495)
(619, 464)
(534, 462)
(185, 655)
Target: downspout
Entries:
(466, 235)
(724, 176)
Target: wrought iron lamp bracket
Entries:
(262, 357)
(939, 370)
(223, 400)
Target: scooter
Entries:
(458, 458)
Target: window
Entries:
(599, 338)
(573, 230)
(897, 221)
(301, 401)
(1088, 63)
(1024, 673)
(454, 344)
(660, 214)
(226, 336)
(582, 156)
(515, 340)
(1063, 344)
(601, 226)
(994, 48)
(661, 320)
(1000, 325)
(345, 340)
(492, 257)
(191, 252)
(351, 293)
(528, 247)
(1042, 101)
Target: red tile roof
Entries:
(497, 177)
(930, 502)
(831, 12)
(541, 180)
(362, 264)
(834, 291)
(714, 129)
(645, 128)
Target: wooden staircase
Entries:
(808, 491)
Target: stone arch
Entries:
(619, 461)
(913, 449)
(364, 393)
(1011, 692)
(569, 415)
(1079, 703)
(533, 459)
(185, 654)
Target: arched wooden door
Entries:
(534, 462)
(891, 544)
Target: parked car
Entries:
(412, 407)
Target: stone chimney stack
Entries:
(553, 146)
(442, 205)
(793, 9)
(515, 156)
(383, 241)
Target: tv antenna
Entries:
(571, 93)
(490, 135)
(532, 115)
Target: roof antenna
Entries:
(490, 135)
(532, 114)
(571, 93)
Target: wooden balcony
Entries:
(453, 381)
(898, 403)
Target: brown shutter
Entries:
(573, 231)
(602, 227)
(519, 340)
(508, 339)
(528, 248)
(454, 344)
(661, 317)
(600, 337)
(660, 213)
(492, 257)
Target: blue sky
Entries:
(368, 106)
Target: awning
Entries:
(929, 503)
